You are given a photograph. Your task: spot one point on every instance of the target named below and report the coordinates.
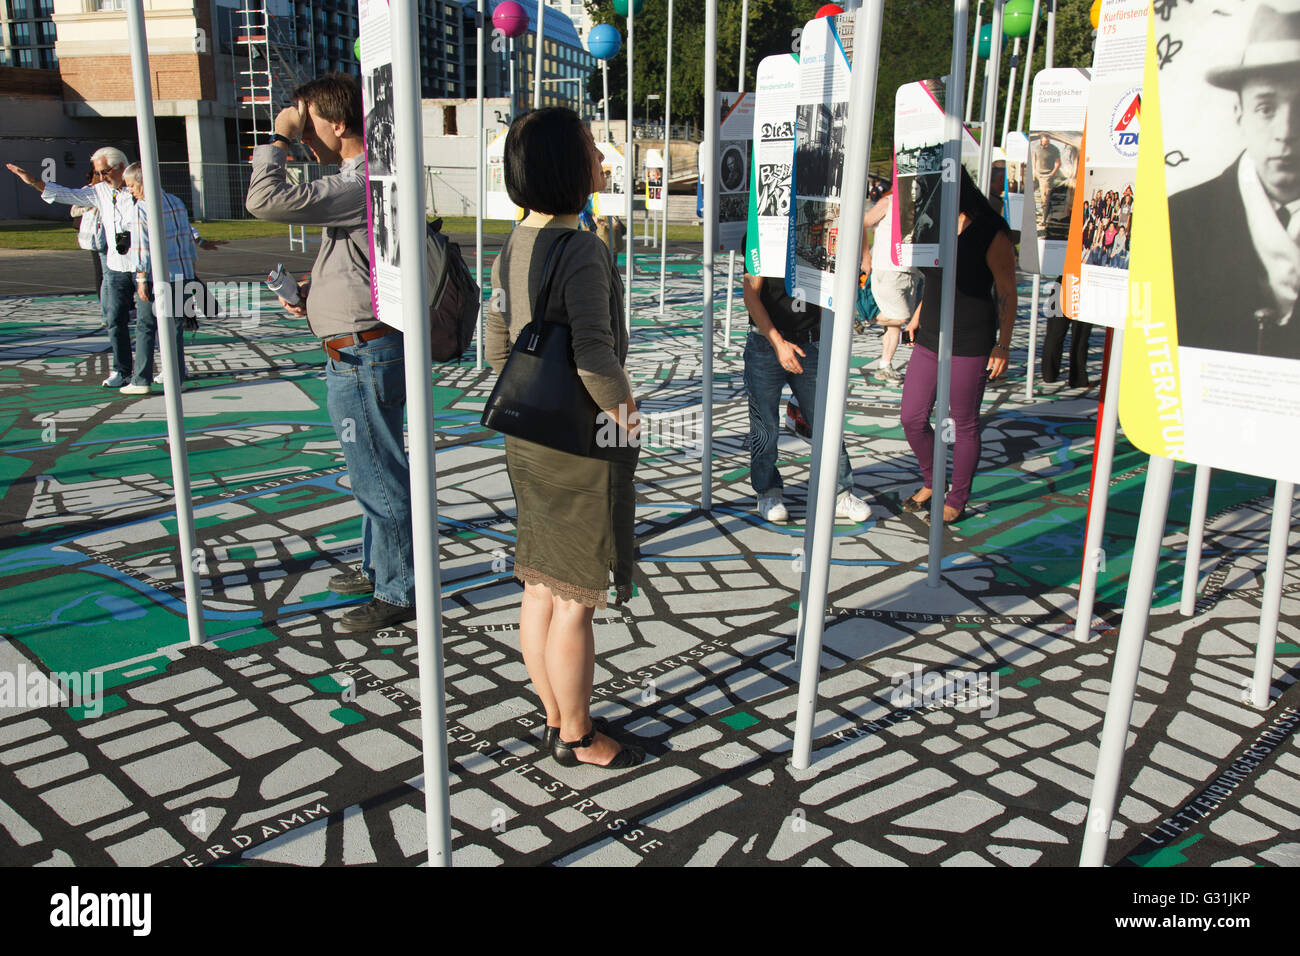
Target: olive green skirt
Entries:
(577, 520)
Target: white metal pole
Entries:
(510, 53)
(668, 103)
(165, 300)
(708, 158)
(481, 186)
(993, 78)
(1033, 337)
(731, 256)
(539, 47)
(408, 137)
(1029, 69)
(1274, 572)
(1128, 655)
(1051, 33)
(629, 176)
(1195, 538)
(609, 217)
(974, 59)
(1102, 464)
(949, 208)
(1011, 89)
(837, 333)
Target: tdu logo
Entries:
(76, 909)
(1125, 121)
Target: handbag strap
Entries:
(544, 293)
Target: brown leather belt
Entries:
(332, 346)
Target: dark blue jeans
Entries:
(117, 302)
(366, 396)
(146, 338)
(764, 379)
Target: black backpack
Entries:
(454, 296)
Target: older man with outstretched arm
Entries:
(365, 373)
(109, 195)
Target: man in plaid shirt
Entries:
(109, 195)
(180, 239)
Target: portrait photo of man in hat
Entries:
(1236, 237)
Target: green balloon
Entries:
(620, 7)
(356, 49)
(1017, 17)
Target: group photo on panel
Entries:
(917, 242)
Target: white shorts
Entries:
(897, 292)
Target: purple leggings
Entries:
(969, 373)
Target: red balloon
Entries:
(828, 10)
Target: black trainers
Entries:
(375, 616)
(351, 581)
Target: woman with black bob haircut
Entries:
(575, 514)
(548, 162)
(983, 318)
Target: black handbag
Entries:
(539, 396)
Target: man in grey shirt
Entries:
(364, 371)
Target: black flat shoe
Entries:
(912, 506)
(629, 756)
(552, 734)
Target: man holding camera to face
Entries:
(365, 371)
(109, 195)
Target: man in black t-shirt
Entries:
(781, 349)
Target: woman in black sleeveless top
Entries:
(981, 337)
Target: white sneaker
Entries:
(847, 505)
(773, 509)
(116, 380)
(135, 389)
(158, 379)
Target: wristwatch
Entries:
(281, 138)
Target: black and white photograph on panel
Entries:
(380, 220)
(1230, 118)
(819, 153)
(378, 90)
(919, 197)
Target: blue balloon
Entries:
(604, 41)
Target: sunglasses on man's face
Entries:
(100, 174)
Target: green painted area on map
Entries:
(346, 715)
(1287, 648)
(273, 502)
(79, 621)
(740, 720)
(238, 642)
(326, 684)
(11, 469)
(1028, 682)
(106, 706)
(1166, 855)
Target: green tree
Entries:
(916, 44)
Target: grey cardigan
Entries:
(586, 293)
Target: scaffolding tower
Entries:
(274, 54)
